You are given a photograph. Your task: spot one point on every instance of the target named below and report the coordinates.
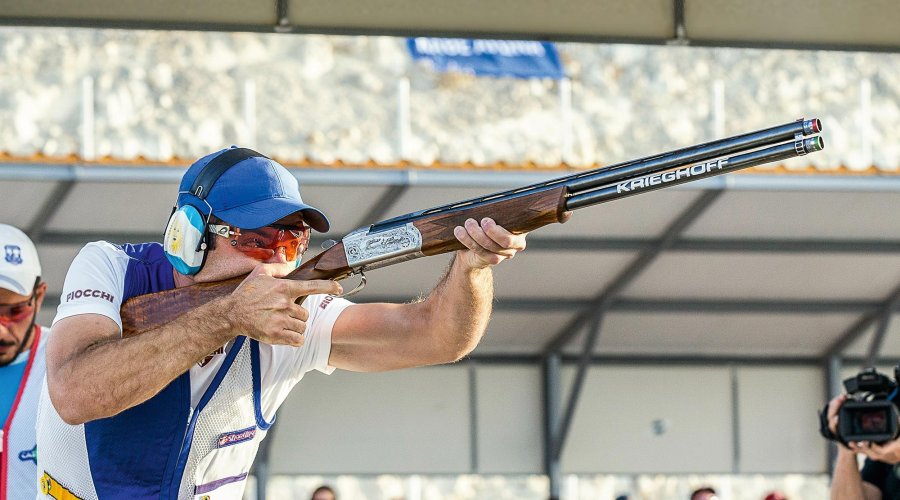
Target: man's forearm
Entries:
(846, 484)
(112, 375)
(460, 306)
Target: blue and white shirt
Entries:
(198, 436)
(21, 387)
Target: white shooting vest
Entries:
(221, 437)
(226, 429)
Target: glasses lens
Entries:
(263, 242)
(13, 313)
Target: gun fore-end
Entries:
(519, 214)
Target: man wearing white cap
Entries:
(22, 345)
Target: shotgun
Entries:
(430, 232)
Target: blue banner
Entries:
(516, 58)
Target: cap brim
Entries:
(14, 284)
(265, 212)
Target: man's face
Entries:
(323, 495)
(16, 314)
(238, 251)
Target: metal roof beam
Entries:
(861, 325)
(48, 209)
(878, 339)
(352, 30)
(441, 177)
(650, 306)
(606, 360)
(765, 245)
(383, 205)
(635, 268)
(744, 306)
(80, 239)
(673, 305)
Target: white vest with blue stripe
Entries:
(162, 448)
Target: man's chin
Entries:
(7, 355)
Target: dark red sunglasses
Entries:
(14, 313)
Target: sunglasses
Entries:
(14, 313)
(262, 243)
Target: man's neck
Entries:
(182, 280)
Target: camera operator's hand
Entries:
(834, 406)
(888, 452)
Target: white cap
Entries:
(19, 265)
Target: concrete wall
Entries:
(487, 419)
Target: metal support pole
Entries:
(718, 108)
(833, 387)
(565, 129)
(551, 386)
(88, 151)
(473, 419)
(680, 32)
(865, 122)
(404, 125)
(878, 338)
(250, 112)
(735, 421)
(575, 393)
(262, 465)
(283, 22)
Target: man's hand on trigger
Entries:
(264, 307)
(488, 244)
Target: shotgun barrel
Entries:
(583, 181)
(694, 154)
(680, 175)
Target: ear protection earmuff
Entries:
(185, 241)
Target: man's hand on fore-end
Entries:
(263, 307)
(488, 244)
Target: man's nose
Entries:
(278, 257)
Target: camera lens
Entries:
(873, 421)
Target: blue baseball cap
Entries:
(252, 193)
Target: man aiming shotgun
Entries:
(177, 339)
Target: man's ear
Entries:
(39, 292)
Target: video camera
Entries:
(869, 414)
